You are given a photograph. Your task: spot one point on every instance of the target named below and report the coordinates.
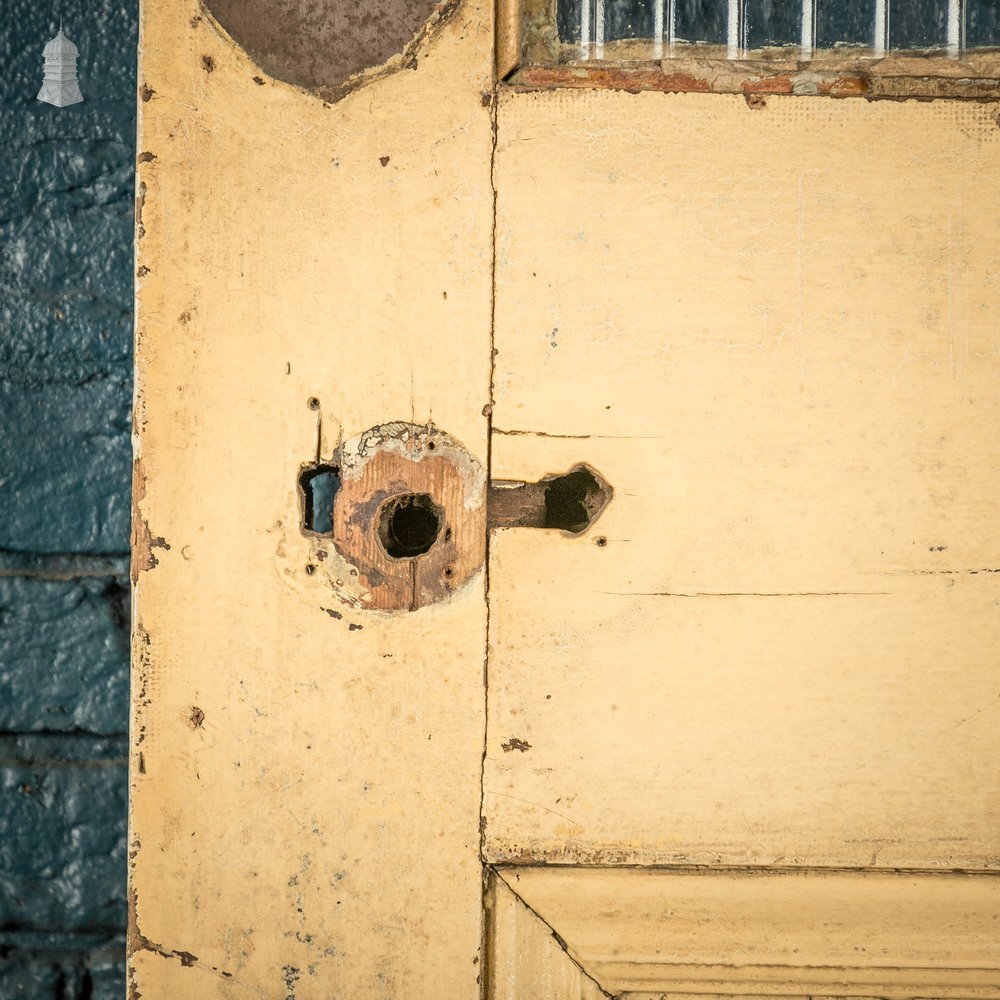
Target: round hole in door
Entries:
(409, 524)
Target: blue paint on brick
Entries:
(64, 471)
(87, 966)
(62, 842)
(66, 210)
(63, 654)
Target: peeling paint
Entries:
(143, 541)
(891, 81)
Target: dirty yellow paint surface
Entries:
(774, 332)
(305, 788)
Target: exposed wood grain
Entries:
(380, 465)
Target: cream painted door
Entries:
(758, 702)
(736, 737)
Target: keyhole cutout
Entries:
(408, 525)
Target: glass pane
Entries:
(845, 22)
(921, 25)
(700, 21)
(982, 25)
(913, 24)
(628, 19)
(773, 22)
(568, 20)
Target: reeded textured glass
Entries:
(845, 22)
(773, 22)
(629, 18)
(700, 21)
(982, 23)
(918, 25)
(907, 24)
(568, 20)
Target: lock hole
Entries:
(571, 501)
(409, 524)
(319, 485)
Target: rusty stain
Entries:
(515, 744)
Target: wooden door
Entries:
(735, 737)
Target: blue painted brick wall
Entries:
(66, 210)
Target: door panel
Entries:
(642, 932)
(773, 333)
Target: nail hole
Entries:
(571, 501)
(313, 403)
(409, 525)
(601, 541)
(431, 445)
(319, 485)
(448, 571)
(310, 569)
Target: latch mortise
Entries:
(571, 502)
(397, 517)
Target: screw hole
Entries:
(310, 569)
(313, 403)
(431, 445)
(601, 541)
(409, 525)
(448, 571)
